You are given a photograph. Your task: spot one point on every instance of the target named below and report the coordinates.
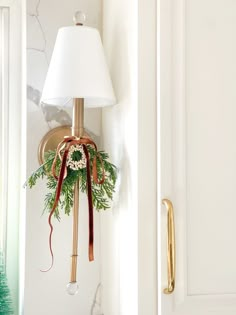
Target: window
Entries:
(4, 117)
(12, 139)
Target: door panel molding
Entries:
(176, 70)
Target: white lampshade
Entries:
(78, 69)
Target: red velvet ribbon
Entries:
(62, 152)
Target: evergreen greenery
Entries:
(5, 298)
(102, 194)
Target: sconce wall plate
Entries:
(51, 140)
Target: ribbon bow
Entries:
(62, 152)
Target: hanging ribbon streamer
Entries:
(62, 152)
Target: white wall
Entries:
(128, 239)
(147, 157)
(45, 292)
(119, 238)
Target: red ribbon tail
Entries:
(50, 242)
(90, 205)
(58, 192)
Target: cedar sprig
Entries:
(102, 195)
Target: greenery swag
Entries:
(102, 194)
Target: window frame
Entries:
(14, 148)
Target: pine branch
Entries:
(6, 307)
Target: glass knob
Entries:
(79, 18)
(72, 288)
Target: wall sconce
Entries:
(78, 72)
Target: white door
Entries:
(197, 115)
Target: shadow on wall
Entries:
(116, 118)
(51, 113)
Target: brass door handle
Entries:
(170, 246)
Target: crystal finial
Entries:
(72, 288)
(79, 18)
